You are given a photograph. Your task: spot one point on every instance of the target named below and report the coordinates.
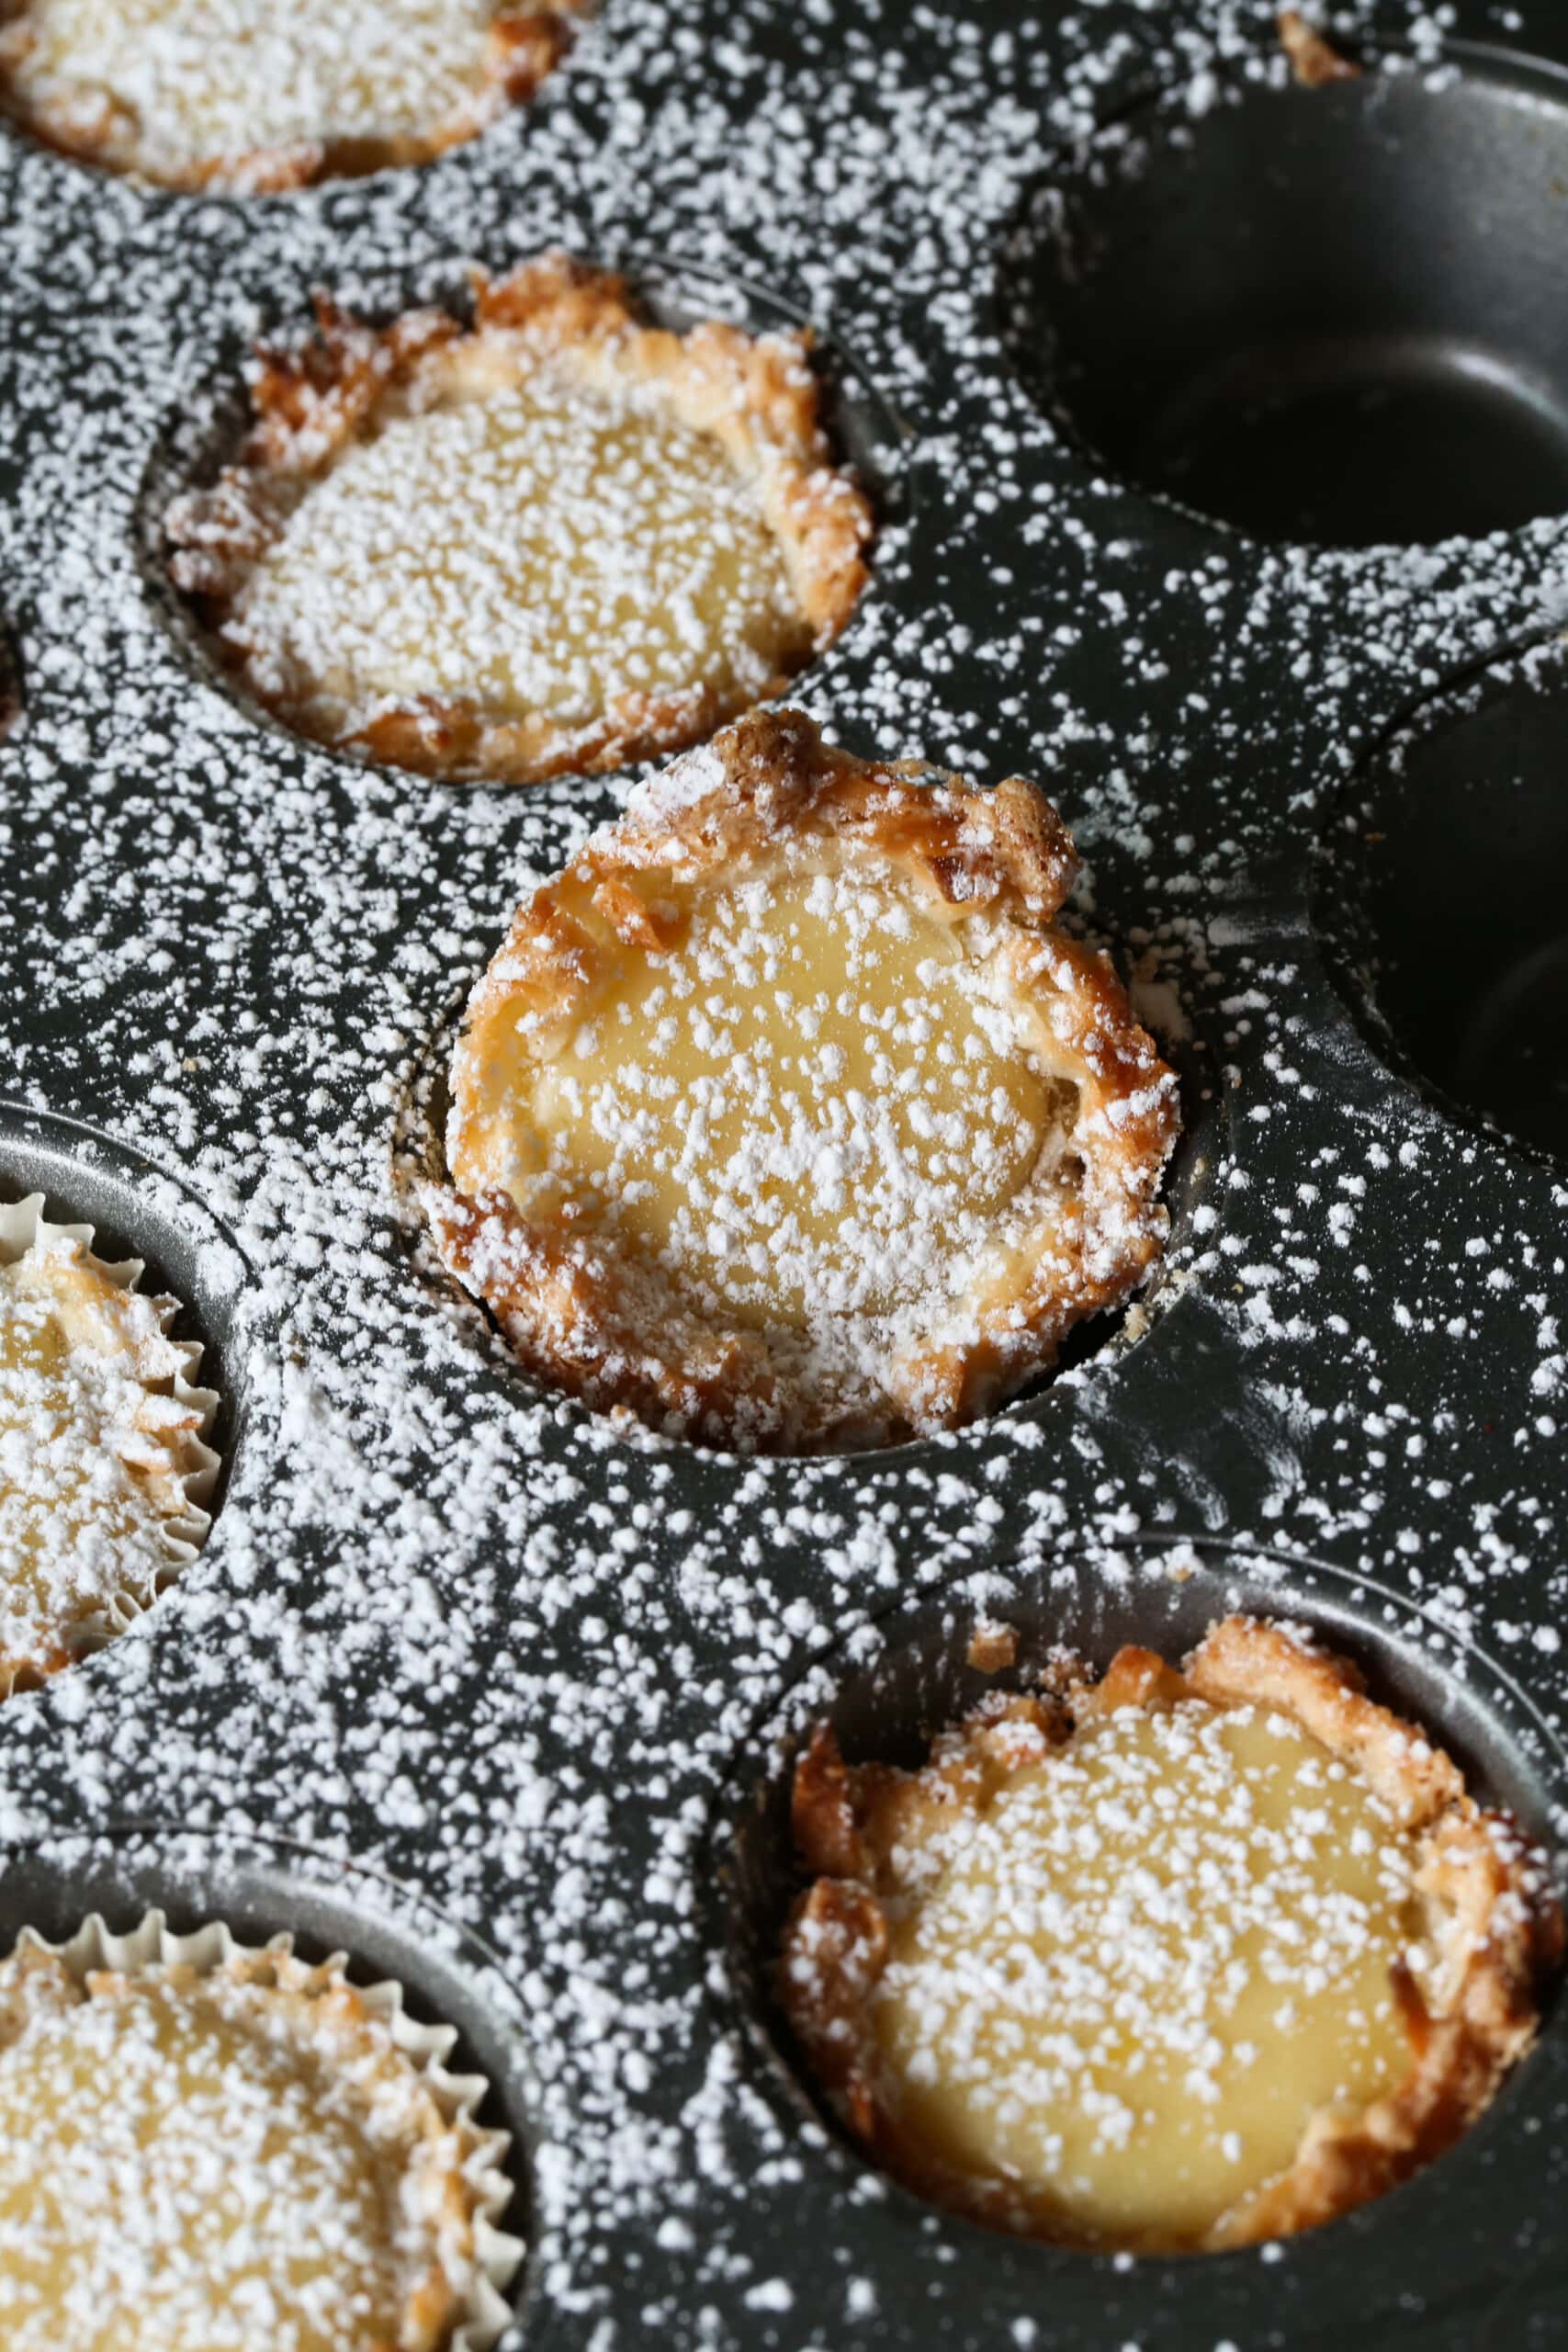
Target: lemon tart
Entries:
(209, 2149)
(104, 1463)
(1170, 1962)
(256, 96)
(785, 1118)
(558, 541)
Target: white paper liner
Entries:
(24, 1227)
(497, 2255)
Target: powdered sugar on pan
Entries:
(461, 1630)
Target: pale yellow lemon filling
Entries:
(192, 82)
(83, 1494)
(1126, 1984)
(812, 1101)
(540, 550)
(177, 2175)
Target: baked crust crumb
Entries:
(1314, 60)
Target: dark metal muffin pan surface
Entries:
(467, 1640)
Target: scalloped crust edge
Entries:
(23, 1227)
(497, 2255)
(573, 1314)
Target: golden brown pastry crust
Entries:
(756, 395)
(522, 45)
(567, 1303)
(1497, 1926)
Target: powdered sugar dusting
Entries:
(1121, 1981)
(381, 586)
(465, 1632)
(171, 88)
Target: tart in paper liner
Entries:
(163, 1449)
(458, 2303)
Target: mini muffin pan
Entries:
(1168, 378)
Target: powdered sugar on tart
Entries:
(784, 1117)
(1168, 1961)
(564, 539)
(103, 1463)
(205, 2148)
(256, 94)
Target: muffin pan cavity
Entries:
(1441, 894)
(1333, 316)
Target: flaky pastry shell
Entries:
(767, 791)
(1495, 1924)
(165, 1449)
(465, 2312)
(522, 46)
(756, 395)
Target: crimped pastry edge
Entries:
(25, 1227)
(213, 1949)
(575, 1321)
(523, 47)
(1505, 1929)
(755, 394)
